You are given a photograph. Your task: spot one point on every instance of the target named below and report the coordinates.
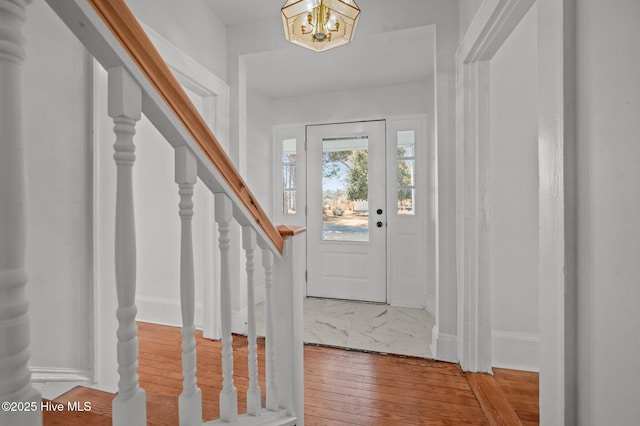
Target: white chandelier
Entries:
(320, 24)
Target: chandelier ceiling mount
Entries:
(320, 25)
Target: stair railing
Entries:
(139, 82)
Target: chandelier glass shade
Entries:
(320, 24)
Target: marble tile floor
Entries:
(364, 326)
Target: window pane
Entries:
(289, 151)
(345, 189)
(406, 142)
(406, 172)
(289, 202)
(405, 201)
(289, 178)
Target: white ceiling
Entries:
(392, 45)
(234, 12)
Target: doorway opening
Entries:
(361, 190)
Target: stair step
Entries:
(161, 410)
(100, 414)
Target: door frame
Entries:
(493, 23)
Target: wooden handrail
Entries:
(128, 31)
(289, 231)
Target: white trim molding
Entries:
(49, 374)
(53, 382)
(493, 23)
(165, 311)
(557, 254)
(517, 351)
(239, 321)
(444, 346)
(556, 158)
(430, 304)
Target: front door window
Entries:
(345, 189)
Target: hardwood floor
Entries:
(521, 390)
(341, 387)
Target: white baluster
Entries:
(254, 402)
(272, 389)
(125, 106)
(190, 401)
(229, 393)
(15, 377)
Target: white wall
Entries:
(191, 26)
(513, 199)
(57, 116)
(446, 291)
(608, 107)
(357, 104)
(260, 164)
(260, 148)
(467, 11)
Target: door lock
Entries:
(379, 211)
(379, 224)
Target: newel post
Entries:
(125, 107)
(288, 284)
(15, 376)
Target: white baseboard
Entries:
(431, 304)
(46, 374)
(444, 346)
(239, 321)
(517, 351)
(164, 311)
(167, 312)
(53, 382)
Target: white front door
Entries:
(346, 216)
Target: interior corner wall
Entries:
(608, 144)
(57, 130)
(513, 199)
